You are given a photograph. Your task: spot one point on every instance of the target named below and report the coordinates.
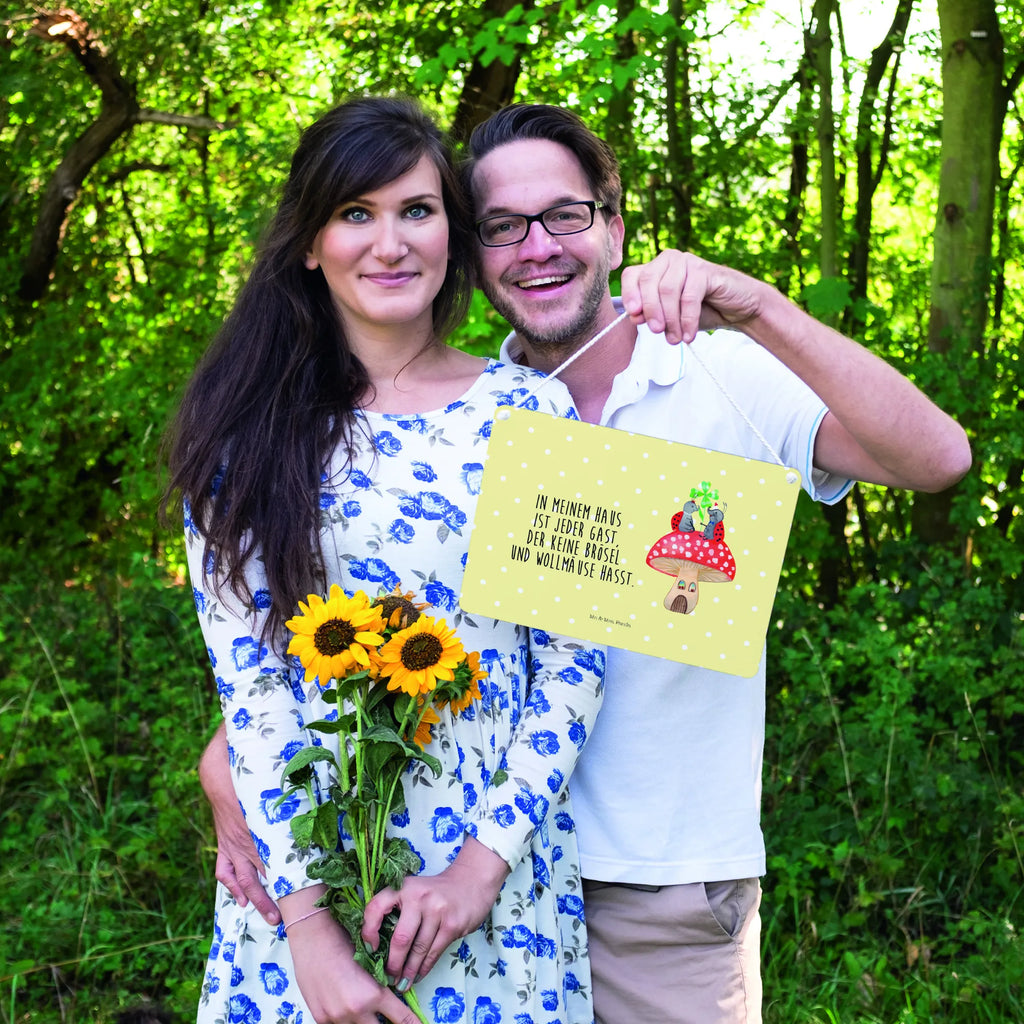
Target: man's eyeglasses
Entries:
(564, 219)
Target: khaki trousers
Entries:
(675, 954)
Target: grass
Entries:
(893, 810)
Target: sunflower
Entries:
(417, 657)
(423, 731)
(399, 610)
(332, 637)
(472, 692)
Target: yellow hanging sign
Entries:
(631, 541)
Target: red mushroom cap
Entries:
(713, 556)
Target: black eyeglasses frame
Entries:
(593, 205)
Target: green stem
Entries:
(414, 1004)
(310, 795)
(413, 718)
(358, 834)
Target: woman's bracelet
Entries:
(305, 917)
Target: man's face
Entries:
(552, 289)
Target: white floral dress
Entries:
(402, 515)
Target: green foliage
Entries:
(893, 811)
(892, 775)
(104, 839)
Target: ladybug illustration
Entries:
(683, 521)
(715, 530)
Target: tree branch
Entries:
(1013, 80)
(487, 89)
(208, 124)
(119, 112)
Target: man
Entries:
(671, 852)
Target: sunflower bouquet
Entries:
(390, 669)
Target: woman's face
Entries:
(384, 255)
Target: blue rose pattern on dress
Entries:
(402, 516)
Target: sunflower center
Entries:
(392, 603)
(421, 651)
(334, 636)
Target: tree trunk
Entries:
(835, 563)
(620, 107)
(973, 107)
(869, 170)
(792, 283)
(486, 89)
(117, 115)
(819, 52)
(679, 132)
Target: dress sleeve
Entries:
(565, 690)
(564, 696)
(264, 707)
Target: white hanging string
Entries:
(692, 351)
(572, 359)
(732, 401)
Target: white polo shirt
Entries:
(668, 788)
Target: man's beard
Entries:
(568, 336)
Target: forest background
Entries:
(865, 157)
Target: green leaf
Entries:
(329, 726)
(351, 919)
(398, 861)
(383, 734)
(429, 760)
(302, 826)
(325, 829)
(339, 869)
(385, 757)
(372, 963)
(828, 298)
(297, 770)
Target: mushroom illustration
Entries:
(692, 559)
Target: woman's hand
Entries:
(238, 865)
(336, 989)
(435, 910)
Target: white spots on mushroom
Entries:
(692, 559)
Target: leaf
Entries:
(381, 755)
(351, 919)
(372, 963)
(302, 826)
(325, 829)
(379, 694)
(381, 734)
(329, 726)
(297, 771)
(398, 861)
(828, 298)
(339, 869)
(429, 760)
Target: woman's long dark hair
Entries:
(275, 394)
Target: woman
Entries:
(330, 436)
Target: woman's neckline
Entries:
(436, 410)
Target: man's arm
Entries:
(238, 864)
(880, 427)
